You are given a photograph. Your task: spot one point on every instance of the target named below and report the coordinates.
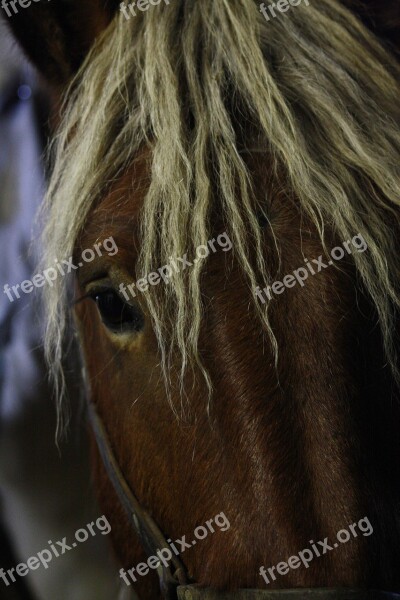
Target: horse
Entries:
(250, 390)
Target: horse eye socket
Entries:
(116, 314)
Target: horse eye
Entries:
(116, 314)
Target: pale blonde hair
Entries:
(317, 87)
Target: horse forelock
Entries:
(186, 81)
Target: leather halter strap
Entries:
(173, 579)
(149, 534)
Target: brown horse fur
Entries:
(291, 455)
(288, 461)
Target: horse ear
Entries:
(56, 35)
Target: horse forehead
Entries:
(117, 213)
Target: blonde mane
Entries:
(315, 84)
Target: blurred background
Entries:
(45, 492)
